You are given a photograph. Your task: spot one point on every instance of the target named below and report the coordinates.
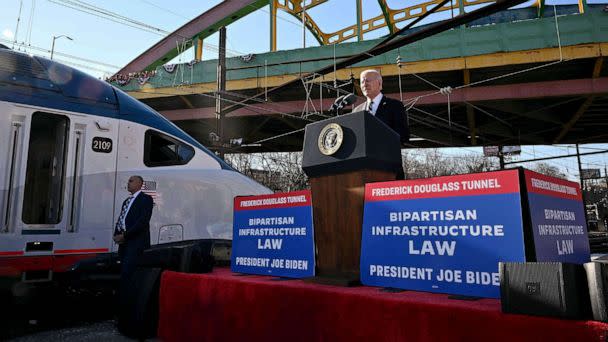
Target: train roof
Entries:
(42, 82)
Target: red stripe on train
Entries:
(11, 253)
(90, 250)
(15, 265)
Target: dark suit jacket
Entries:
(393, 114)
(137, 232)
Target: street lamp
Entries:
(55, 38)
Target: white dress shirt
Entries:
(375, 103)
(134, 196)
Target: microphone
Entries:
(336, 105)
(347, 100)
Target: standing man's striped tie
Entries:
(120, 223)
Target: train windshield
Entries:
(162, 150)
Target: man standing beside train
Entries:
(390, 111)
(132, 231)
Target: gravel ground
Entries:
(56, 317)
(90, 332)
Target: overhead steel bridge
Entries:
(518, 76)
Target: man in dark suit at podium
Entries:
(389, 111)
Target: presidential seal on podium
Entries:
(330, 139)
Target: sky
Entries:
(109, 45)
(101, 46)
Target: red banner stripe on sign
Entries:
(552, 186)
(278, 200)
(487, 183)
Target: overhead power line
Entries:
(37, 48)
(82, 65)
(120, 19)
(109, 15)
(165, 9)
(556, 157)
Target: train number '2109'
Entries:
(101, 144)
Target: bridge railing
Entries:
(389, 18)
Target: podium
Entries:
(340, 155)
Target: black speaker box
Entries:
(138, 303)
(544, 289)
(597, 279)
(192, 258)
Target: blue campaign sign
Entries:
(443, 234)
(558, 219)
(273, 235)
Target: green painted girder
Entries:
(200, 27)
(387, 16)
(590, 27)
(359, 20)
(296, 10)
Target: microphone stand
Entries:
(340, 108)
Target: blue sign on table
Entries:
(273, 235)
(443, 234)
(558, 219)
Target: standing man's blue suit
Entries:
(132, 232)
(137, 234)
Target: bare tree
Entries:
(425, 163)
(283, 171)
(432, 163)
(241, 162)
(472, 163)
(549, 170)
(278, 171)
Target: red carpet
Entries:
(222, 306)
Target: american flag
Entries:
(149, 188)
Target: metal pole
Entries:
(582, 6)
(359, 20)
(606, 179)
(198, 54)
(53, 47)
(273, 25)
(303, 27)
(501, 158)
(580, 174)
(55, 38)
(221, 88)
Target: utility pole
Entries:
(580, 174)
(604, 220)
(221, 88)
(501, 158)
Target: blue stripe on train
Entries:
(72, 90)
